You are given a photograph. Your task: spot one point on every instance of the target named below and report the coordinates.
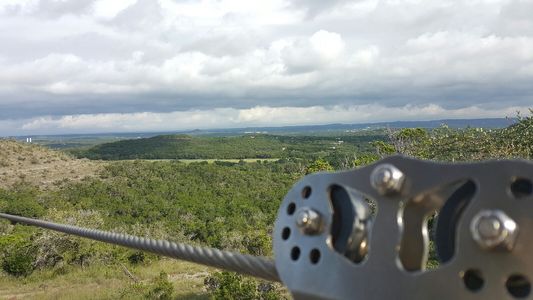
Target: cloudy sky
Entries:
(69, 66)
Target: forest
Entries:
(233, 147)
(226, 205)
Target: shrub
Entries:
(136, 257)
(52, 248)
(259, 244)
(18, 262)
(226, 285)
(160, 288)
(21, 201)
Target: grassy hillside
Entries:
(40, 166)
(240, 147)
(228, 206)
(108, 282)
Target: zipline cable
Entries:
(246, 264)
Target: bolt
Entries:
(493, 229)
(387, 179)
(309, 221)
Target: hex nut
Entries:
(308, 221)
(387, 179)
(494, 230)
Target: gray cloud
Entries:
(91, 57)
(54, 8)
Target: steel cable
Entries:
(246, 264)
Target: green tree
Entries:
(317, 166)
(517, 139)
(364, 159)
(383, 149)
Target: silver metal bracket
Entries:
(363, 234)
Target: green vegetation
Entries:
(240, 147)
(318, 165)
(469, 144)
(225, 285)
(227, 204)
(223, 205)
(109, 281)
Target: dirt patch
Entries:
(40, 166)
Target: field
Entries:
(227, 198)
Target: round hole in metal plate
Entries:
(314, 256)
(295, 253)
(473, 280)
(518, 286)
(291, 209)
(285, 233)
(521, 187)
(306, 192)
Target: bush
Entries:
(22, 201)
(18, 262)
(160, 288)
(258, 244)
(17, 255)
(226, 285)
(136, 257)
(52, 247)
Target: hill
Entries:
(250, 146)
(487, 123)
(40, 166)
(73, 141)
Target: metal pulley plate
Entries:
(331, 243)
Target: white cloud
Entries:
(95, 57)
(109, 9)
(328, 44)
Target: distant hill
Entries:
(247, 146)
(258, 142)
(73, 141)
(187, 147)
(489, 123)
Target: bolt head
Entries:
(489, 228)
(387, 179)
(493, 229)
(308, 221)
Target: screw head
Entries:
(308, 221)
(387, 179)
(493, 229)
